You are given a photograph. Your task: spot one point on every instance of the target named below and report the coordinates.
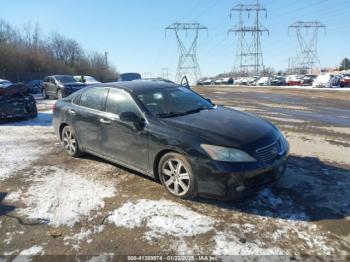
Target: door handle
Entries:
(72, 112)
(104, 121)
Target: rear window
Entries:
(94, 98)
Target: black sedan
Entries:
(173, 134)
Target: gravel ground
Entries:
(51, 204)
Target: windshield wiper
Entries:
(196, 110)
(171, 114)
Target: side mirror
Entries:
(209, 100)
(133, 118)
(129, 117)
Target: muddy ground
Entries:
(52, 204)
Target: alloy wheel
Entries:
(175, 176)
(69, 141)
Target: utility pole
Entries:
(147, 75)
(188, 63)
(249, 55)
(307, 59)
(165, 73)
(106, 58)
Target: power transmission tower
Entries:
(188, 63)
(249, 55)
(307, 59)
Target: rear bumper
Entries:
(231, 181)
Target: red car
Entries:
(293, 81)
(345, 81)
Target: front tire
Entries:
(44, 93)
(177, 177)
(70, 142)
(59, 94)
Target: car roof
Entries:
(140, 85)
(59, 75)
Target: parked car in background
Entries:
(4, 83)
(278, 81)
(345, 80)
(264, 81)
(87, 80)
(293, 80)
(170, 133)
(60, 86)
(208, 82)
(241, 81)
(35, 86)
(218, 82)
(244, 81)
(129, 76)
(16, 103)
(307, 80)
(200, 82)
(227, 81)
(326, 80)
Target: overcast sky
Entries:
(133, 31)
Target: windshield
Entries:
(169, 102)
(90, 79)
(65, 79)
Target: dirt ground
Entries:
(52, 204)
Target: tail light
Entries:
(54, 108)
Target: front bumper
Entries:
(231, 181)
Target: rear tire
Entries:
(44, 93)
(175, 173)
(70, 142)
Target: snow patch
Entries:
(226, 244)
(82, 236)
(163, 218)
(23, 142)
(34, 250)
(101, 258)
(14, 196)
(63, 198)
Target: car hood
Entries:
(227, 127)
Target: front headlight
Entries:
(227, 154)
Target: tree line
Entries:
(27, 54)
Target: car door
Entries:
(122, 141)
(87, 117)
(50, 86)
(46, 83)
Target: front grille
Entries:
(268, 153)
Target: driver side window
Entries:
(119, 101)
